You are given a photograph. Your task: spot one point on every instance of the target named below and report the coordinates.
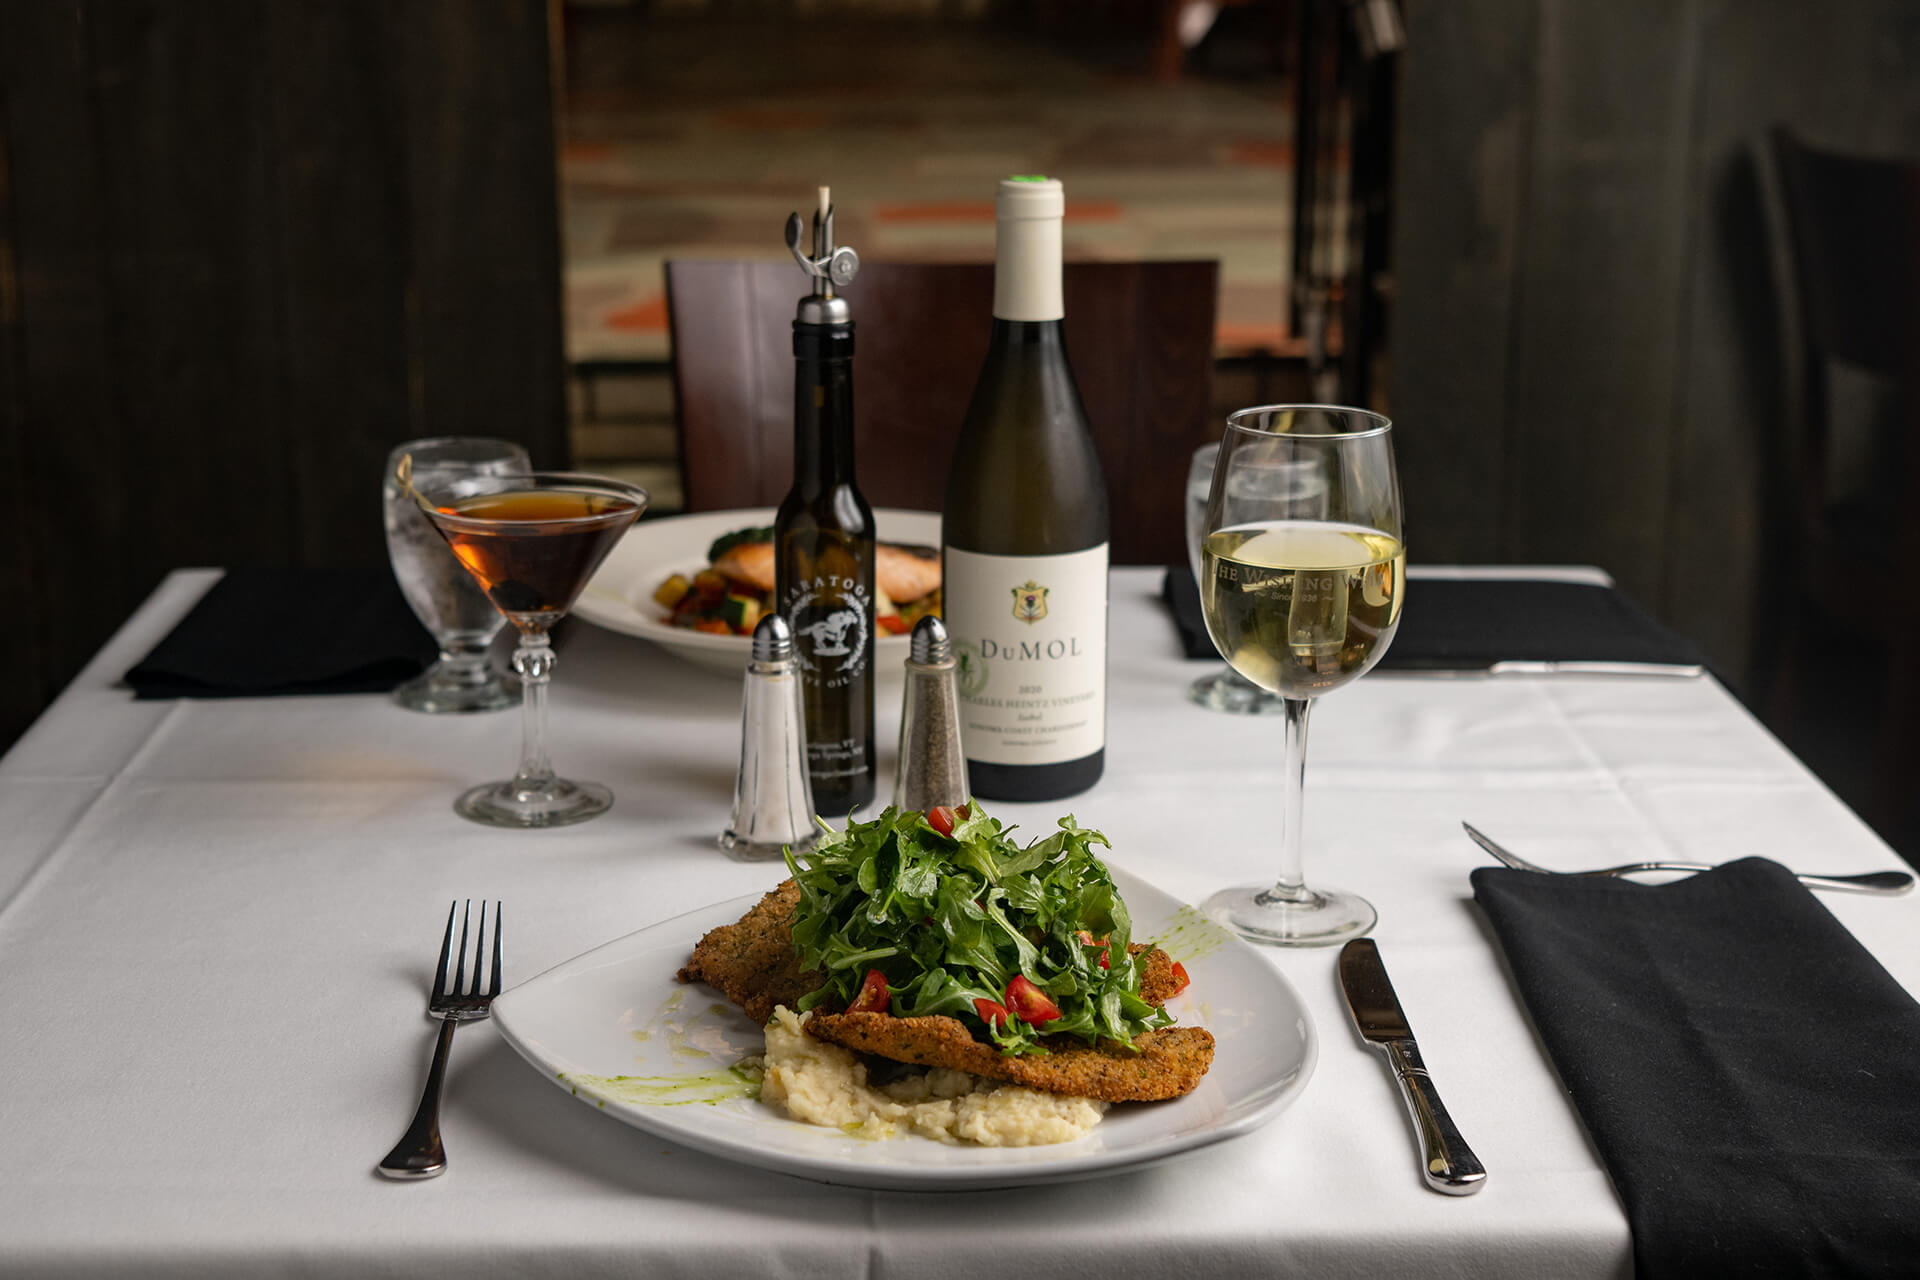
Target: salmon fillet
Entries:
(749, 563)
(1168, 1064)
(753, 964)
(904, 573)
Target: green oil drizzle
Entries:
(673, 1028)
(708, 1087)
(1191, 936)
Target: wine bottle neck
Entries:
(1041, 334)
(822, 412)
(1026, 269)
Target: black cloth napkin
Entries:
(1468, 625)
(1747, 1070)
(289, 631)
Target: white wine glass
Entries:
(1301, 601)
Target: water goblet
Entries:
(1305, 493)
(531, 541)
(449, 604)
(1301, 601)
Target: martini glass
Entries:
(531, 541)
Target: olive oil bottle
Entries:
(824, 535)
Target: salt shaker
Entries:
(932, 769)
(772, 801)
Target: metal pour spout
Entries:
(826, 265)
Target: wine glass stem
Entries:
(1292, 885)
(533, 661)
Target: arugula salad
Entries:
(916, 914)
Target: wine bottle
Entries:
(823, 536)
(1024, 539)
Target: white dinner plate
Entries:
(614, 1028)
(619, 596)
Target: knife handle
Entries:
(1451, 1168)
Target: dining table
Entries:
(219, 919)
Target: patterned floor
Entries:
(688, 138)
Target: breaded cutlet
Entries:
(751, 962)
(1169, 1062)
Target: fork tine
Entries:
(460, 968)
(1480, 838)
(446, 950)
(479, 953)
(493, 988)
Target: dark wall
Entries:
(1586, 345)
(245, 248)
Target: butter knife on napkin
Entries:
(1448, 1163)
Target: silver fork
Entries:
(1888, 882)
(419, 1154)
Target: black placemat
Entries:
(1749, 1073)
(1468, 625)
(259, 632)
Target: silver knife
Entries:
(1451, 1167)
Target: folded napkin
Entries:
(1469, 624)
(292, 631)
(1747, 1070)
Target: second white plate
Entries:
(614, 1028)
(620, 594)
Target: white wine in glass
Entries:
(1301, 606)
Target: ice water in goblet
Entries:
(446, 599)
(1301, 603)
(1298, 489)
(531, 542)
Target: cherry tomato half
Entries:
(991, 1012)
(1029, 1003)
(873, 997)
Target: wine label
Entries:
(1030, 633)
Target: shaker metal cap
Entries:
(772, 639)
(929, 645)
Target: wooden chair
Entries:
(1854, 225)
(1140, 336)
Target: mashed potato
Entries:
(826, 1085)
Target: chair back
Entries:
(1853, 225)
(1855, 228)
(1140, 336)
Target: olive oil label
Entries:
(828, 613)
(1030, 634)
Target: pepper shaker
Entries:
(932, 768)
(772, 800)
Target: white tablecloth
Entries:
(218, 919)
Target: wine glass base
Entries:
(435, 693)
(1227, 690)
(1317, 918)
(559, 804)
